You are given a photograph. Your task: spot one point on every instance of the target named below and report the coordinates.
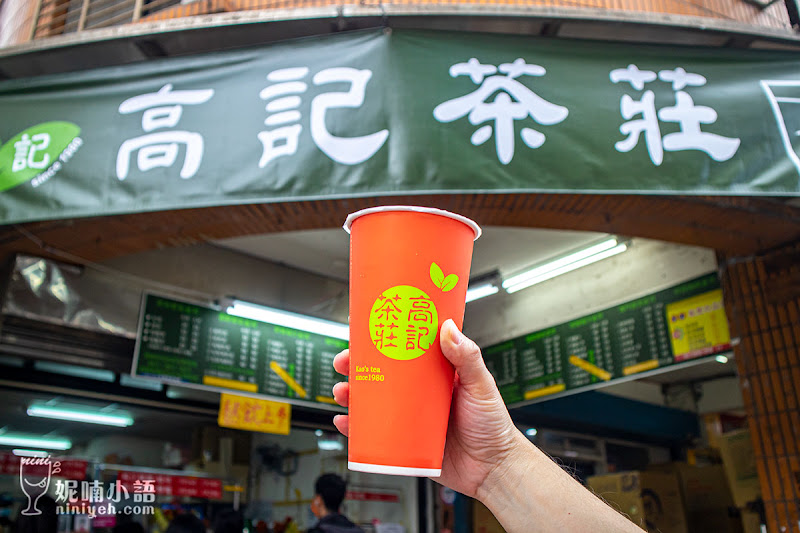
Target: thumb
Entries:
(466, 357)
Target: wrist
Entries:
(510, 469)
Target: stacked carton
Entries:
(652, 500)
(736, 450)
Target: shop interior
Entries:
(69, 333)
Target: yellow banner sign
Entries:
(254, 414)
(698, 326)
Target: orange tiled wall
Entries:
(762, 300)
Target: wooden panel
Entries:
(672, 219)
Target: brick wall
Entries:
(762, 297)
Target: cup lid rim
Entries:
(417, 209)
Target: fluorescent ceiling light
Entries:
(330, 445)
(48, 443)
(560, 262)
(78, 415)
(481, 291)
(19, 452)
(721, 359)
(289, 320)
(568, 263)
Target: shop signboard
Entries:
(644, 335)
(170, 485)
(372, 496)
(254, 414)
(198, 346)
(381, 112)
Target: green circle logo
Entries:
(403, 323)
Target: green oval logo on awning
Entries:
(34, 151)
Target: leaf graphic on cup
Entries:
(446, 283)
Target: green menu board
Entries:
(197, 346)
(647, 334)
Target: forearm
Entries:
(528, 492)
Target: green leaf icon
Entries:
(449, 283)
(437, 276)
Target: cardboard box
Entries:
(717, 424)
(706, 497)
(739, 461)
(652, 500)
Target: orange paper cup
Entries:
(409, 270)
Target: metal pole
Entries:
(793, 7)
(84, 13)
(137, 10)
(37, 8)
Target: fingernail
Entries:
(457, 336)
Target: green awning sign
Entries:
(400, 112)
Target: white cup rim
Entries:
(417, 209)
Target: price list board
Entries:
(671, 326)
(197, 346)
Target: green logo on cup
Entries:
(40, 149)
(403, 323)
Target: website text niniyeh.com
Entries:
(108, 509)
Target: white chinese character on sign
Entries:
(160, 149)
(144, 491)
(66, 491)
(685, 113)
(783, 97)
(25, 152)
(117, 491)
(514, 101)
(283, 101)
(91, 491)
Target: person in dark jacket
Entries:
(329, 491)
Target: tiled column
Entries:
(762, 299)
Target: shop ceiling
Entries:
(325, 252)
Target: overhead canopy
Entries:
(384, 112)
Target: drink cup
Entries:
(409, 270)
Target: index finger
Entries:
(341, 363)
